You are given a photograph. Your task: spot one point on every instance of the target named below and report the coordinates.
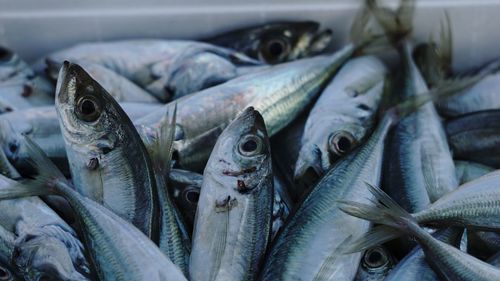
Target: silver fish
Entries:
(131, 257)
(469, 171)
(167, 68)
(233, 219)
(376, 264)
(342, 116)
(186, 187)
(7, 270)
(108, 161)
(449, 262)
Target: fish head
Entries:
(376, 264)
(45, 258)
(323, 148)
(241, 157)
(6, 274)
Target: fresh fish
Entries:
(233, 219)
(276, 42)
(449, 262)
(167, 68)
(341, 118)
(174, 239)
(18, 95)
(7, 238)
(42, 125)
(131, 257)
(495, 260)
(45, 244)
(482, 244)
(475, 137)
(414, 267)
(282, 205)
(280, 93)
(419, 163)
(469, 171)
(307, 247)
(186, 187)
(108, 160)
(13, 67)
(376, 264)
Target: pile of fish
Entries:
(258, 154)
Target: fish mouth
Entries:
(65, 83)
(253, 118)
(308, 169)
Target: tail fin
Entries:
(43, 184)
(394, 220)
(363, 37)
(397, 24)
(162, 149)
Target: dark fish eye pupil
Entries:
(192, 196)
(12, 147)
(344, 144)
(88, 107)
(276, 48)
(374, 257)
(249, 146)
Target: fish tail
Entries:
(446, 42)
(397, 24)
(393, 219)
(162, 149)
(362, 36)
(45, 183)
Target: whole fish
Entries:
(131, 257)
(376, 264)
(45, 244)
(280, 93)
(475, 137)
(469, 171)
(168, 69)
(108, 160)
(307, 247)
(233, 219)
(449, 262)
(341, 118)
(414, 267)
(42, 125)
(276, 42)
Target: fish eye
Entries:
(88, 109)
(274, 49)
(250, 145)
(341, 142)
(375, 258)
(192, 195)
(4, 273)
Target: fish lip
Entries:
(63, 80)
(307, 171)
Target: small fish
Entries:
(276, 42)
(341, 118)
(376, 264)
(186, 192)
(168, 69)
(131, 257)
(108, 160)
(233, 220)
(449, 262)
(475, 137)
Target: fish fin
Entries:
(397, 24)
(446, 43)
(378, 235)
(328, 265)
(384, 211)
(43, 183)
(161, 149)
(362, 36)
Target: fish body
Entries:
(233, 219)
(468, 171)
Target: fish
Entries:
(44, 244)
(468, 171)
(233, 219)
(108, 160)
(474, 137)
(376, 264)
(168, 69)
(282, 205)
(132, 257)
(7, 269)
(482, 244)
(419, 161)
(276, 42)
(174, 240)
(42, 125)
(186, 186)
(449, 262)
(341, 118)
(414, 266)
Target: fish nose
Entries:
(308, 169)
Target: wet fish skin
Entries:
(308, 246)
(108, 160)
(160, 66)
(482, 244)
(468, 171)
(233, 219)
(280, 93)
(474, 137)
(7, 269)
(342, 116)
(186, 187)
(276, 42)
(376, 264)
